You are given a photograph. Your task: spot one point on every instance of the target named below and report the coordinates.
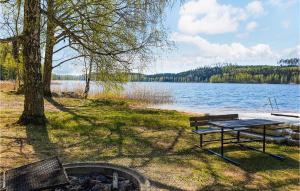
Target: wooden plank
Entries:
(217, 130)
(203, 120)
(295, 115)
(244, 123)
(223, 117)
(199, 118)
(198, 123)
(207, 131)
(214, 117)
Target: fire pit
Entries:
(103, 176)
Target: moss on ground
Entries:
(158, 143)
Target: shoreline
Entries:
(243, 114)
(58, 81)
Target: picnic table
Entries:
(246, 123)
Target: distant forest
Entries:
(229, 73)
(287, 71)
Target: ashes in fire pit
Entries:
(89, 176)
(99, 182)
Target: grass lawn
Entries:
(157, 143)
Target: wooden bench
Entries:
(202, 126)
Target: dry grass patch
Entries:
(7, 85)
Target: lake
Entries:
(214, 97)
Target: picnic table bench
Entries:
(212, 124)
(206, 128)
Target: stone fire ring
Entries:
(83, 168)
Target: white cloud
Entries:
(178, 61)
(209, 17)
(251, 26)
(234, 52)
(255, 7)
(291, 52)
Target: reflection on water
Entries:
(207, 97)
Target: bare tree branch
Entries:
(67, 60)
(13, 38)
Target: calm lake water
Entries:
(208, 97)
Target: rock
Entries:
(83, 179)
(76, 188)
(73, 180)
(124, 185)
(59, 189)
(102, 178)
(101, 187)
(93, 175)
(96, 188)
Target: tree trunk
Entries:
(47, 80)
(50, 42)
(33, 86)
(88, 80)
(16, 49)
(16, 56)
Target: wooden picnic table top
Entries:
(244, 123)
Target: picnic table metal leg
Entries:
(201, 140)
(222, 141)
(223, 157)
(264, 139)
(215, 153)
(264, 146)
(222, 150)
(255, 149)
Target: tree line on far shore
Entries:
(282, 74)
(288, 71)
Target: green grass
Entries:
(158, 143)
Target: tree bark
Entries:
(33, 87)
(88, 80)
(16, 56)
(50, 42)
(16, 48)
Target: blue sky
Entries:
(206, 32)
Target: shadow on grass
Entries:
(253, 161)
(57, 105)
(278, 185)
(252, 165)
(107, 102)
(122, 129)
(14, 149)
(164, 186)
(119, 130)
(38, 138)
